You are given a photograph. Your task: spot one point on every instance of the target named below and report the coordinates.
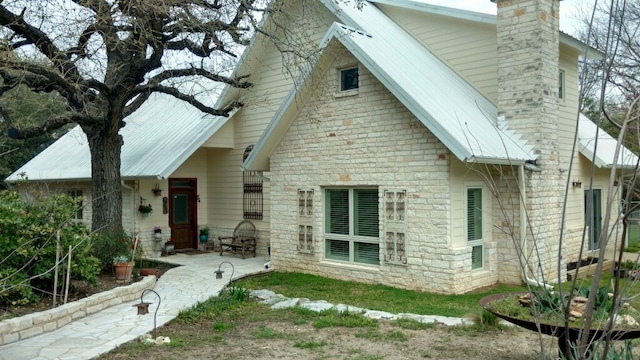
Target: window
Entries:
(77, 196)
(351, 225)
(561, 84)
(349, 79)
(252, 191)
(474, 226)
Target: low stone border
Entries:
(23, 327)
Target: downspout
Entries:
(133, 205)
(523, 232)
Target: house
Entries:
(397, 156)
(426, 146)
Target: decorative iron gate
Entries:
(252, 191)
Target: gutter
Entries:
(523, 232)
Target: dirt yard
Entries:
(261, 333)
(257, 332)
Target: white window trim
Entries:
(351, 238)
(350, 92)
(479, 242)
(562, 85)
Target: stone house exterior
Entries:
(399, 156)
(448, 153)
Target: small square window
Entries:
(349, 79)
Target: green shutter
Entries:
(366, 212)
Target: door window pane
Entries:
(180, 209)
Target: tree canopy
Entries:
(105, 57)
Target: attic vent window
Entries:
(349, 79)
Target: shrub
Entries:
(28, 244)
(238, 292)
(110, 244)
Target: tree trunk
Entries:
(106, 189)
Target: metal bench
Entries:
(242, 241)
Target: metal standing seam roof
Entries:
(603, 148)
(492, 19)
(453, 110)
(158, 137)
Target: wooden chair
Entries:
(242, 241)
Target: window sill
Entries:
(351, 266)
(346, 93)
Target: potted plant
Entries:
(156, 190)
(145, 210)
(123, 266)
(157, 233)
(169, 247)
(204, 234)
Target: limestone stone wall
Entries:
(19, 328)
(528, 56)
(366, 138)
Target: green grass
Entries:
(334, 318)
(374, 297)
(311, 344)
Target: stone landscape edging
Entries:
(19, 328)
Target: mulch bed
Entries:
(77, 291)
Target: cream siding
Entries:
(271, 84)
(223, 138)
(468, 47)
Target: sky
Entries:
(569, 9)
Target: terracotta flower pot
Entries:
(123, 271)
(150, 271)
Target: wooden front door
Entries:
(183, 213)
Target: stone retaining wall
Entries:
(23, 327)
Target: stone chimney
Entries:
(528, 70)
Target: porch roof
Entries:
(158, 137)
(601, 149)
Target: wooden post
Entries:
(55, 272)
(66, 286)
